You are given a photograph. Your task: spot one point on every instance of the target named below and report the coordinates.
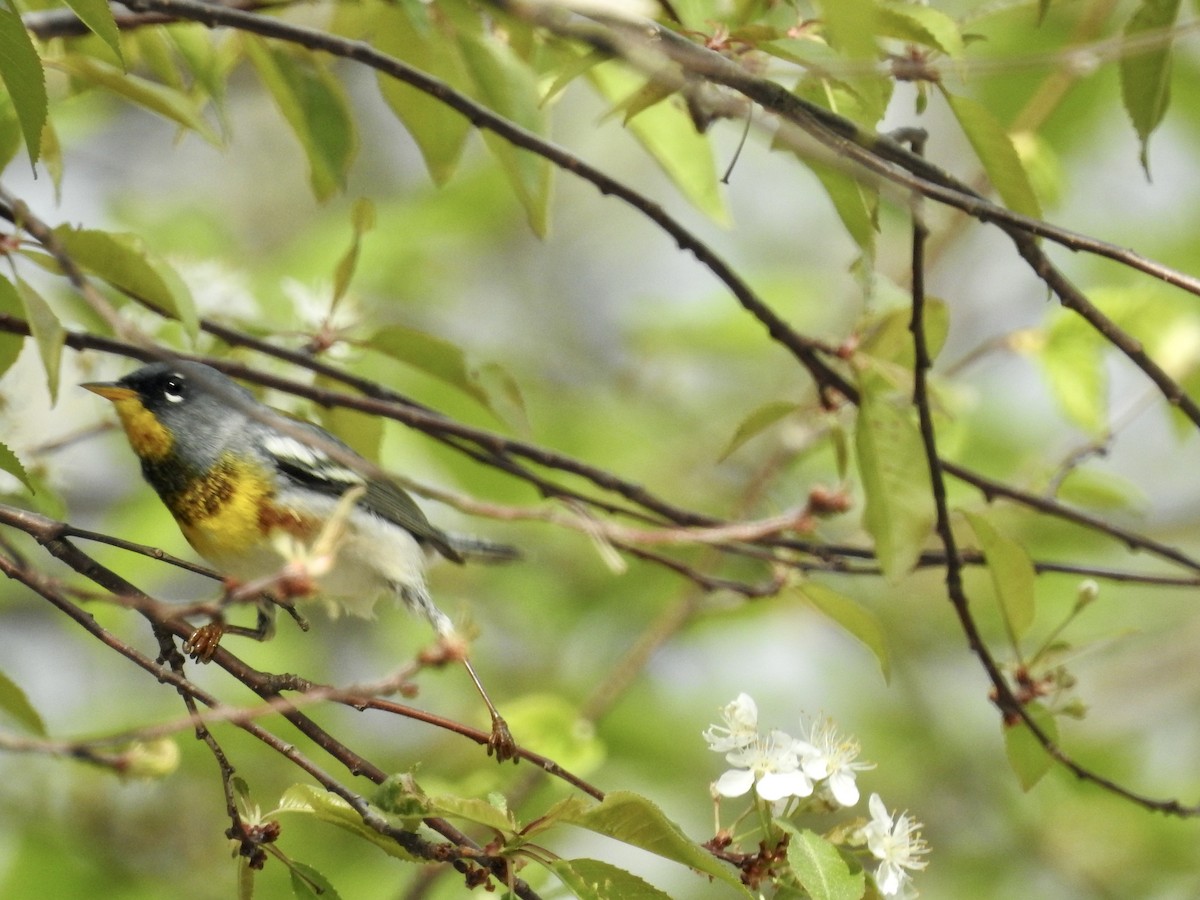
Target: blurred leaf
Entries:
(887, 337)
(245, 879)
(47, 331)
(669, 136)
(899, 512)
(1012, 574)
(52, 158)
(11, 135)
(446, 362)
(852, 27)
(858, 621)
(314, 104)
(921, 25)
(10, 344)
(651, 93)
(327, 807)
(508, 86)
(362, 219)
(756, 422)
(157, 98)
(1026, 755)
(1093, 489)
(124, 261)
(97, 15)
(309, 884)
(570, 71)
(21, 72)
(632, 819)
(819, 867)
(13, 701)
(1146, 71)
(1072, 357)
(404, 31)
(505, 399)
(996, 153)
(362, 431)
(552, 726)
(591, 879)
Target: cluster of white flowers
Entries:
(778, 766)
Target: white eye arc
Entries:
(173, 389)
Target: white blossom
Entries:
(740, 728)
(769, 765)
(899, 847)
(827, 755)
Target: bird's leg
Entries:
(501, 743)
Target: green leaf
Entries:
(97, 15)
(1026, 754)
(651, 93)
(852, 27)
(13, 701)
(630, 818)
(309, 884)
(157, 98)
(820, 868)
(888, 338)
(448, 363)
(921, 25)
(21, 72)
(756, 422)
(997, 153)
(1012, 573)
(669, 136)
(591, 879)
(315, 106)
(47, 331)
(1072, 356)
(362, 218)
(124, 261)
(858, 621)
(327, 807)
(404, 31)
(1146, 71)
(508, 86)
(899, 512)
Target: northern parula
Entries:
(244, 481)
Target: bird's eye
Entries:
(173, 388)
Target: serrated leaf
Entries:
(922, 25)
(1026, 755)
(314, 104)
(48, 333)
(591, 879)
(820, 868)
(124, 261)
(507, 85)
(898, 512)
(97, 15)
(11, 136)
(996, 153)
(756, 422)
(404, 31)
(1012, 573)
(327, 807)
(858, 621)
(309, 884)
(167, 102)
(632, 819)
(13, 701)
(24, 79)
(1146, 71)
(669, 136)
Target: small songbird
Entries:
(244, 482)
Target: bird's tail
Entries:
(473, 549)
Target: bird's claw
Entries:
(501, 744)
(204, 641)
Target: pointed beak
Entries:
(110, 390)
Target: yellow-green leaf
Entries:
(47, 332)
(1012, 574)
(819, 867)
(21, 72)
(669, 136)
(314, 104)
(1146, 71)
(13, 701)
(858, 621)
(757, 421)
(592, 879)
(1025, 752)
(507, 85)
(898, 512)
(157, 98)
(996, 153)
(922, 25)
(97, 15)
